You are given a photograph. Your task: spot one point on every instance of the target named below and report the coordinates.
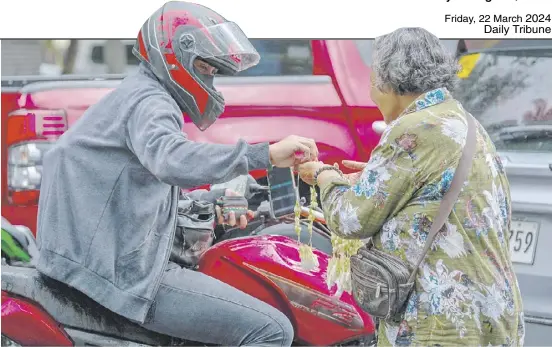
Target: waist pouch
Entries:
(195, 231)
(381, 283)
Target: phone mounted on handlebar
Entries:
(270, 202)
(282, 194)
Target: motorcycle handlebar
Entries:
(266, 209)
(257, 188)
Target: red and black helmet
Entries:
(179, 34)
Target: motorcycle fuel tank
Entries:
(268, 267)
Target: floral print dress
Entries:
(466, 291)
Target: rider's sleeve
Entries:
(155, 136)
(385, 186)
(206, 195)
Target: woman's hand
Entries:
(307, 171)
(231, 220)
(354, 165)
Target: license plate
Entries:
(523, 241)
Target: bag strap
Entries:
(451, 196)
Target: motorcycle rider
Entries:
(108, 200)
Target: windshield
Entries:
(510, 92)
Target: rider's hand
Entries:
(231, 221)
(292, 151)
(354, 165)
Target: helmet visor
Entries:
(222, 45)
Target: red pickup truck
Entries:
(313, 88)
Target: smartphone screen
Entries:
(282, 192)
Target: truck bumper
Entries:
(21, 215)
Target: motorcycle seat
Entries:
(74, 309)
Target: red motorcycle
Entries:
(39, 311)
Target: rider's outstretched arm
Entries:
(155, 135)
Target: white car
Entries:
(508, 87)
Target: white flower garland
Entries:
(308, 260)
(339, 266)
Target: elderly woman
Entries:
(466, 290)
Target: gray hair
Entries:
(412, 61)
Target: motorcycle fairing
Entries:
(268, 267)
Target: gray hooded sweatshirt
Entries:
(108, 200)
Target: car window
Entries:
(278, 58)
(282, 58)
(131, 58)
(97, 55)
(365, 49)
(510, 92)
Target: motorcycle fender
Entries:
(28, 324)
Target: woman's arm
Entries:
(386, 185)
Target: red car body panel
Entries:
(332, 106)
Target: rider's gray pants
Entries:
(193, 306)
